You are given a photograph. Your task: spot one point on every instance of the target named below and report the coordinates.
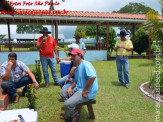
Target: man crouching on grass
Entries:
(83, 89)
(11, 73)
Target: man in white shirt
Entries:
(80, 43)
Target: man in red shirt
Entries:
(46, 45)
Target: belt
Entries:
(126, 56)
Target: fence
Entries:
(18, 47)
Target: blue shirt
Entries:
(84, 72)
(17, 73)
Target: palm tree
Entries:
(154, 25)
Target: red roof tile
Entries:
(84, 14)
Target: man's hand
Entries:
(69, 91)
(67, 80)
(85, 93)
(57, 58)
(10, 64)
(123, 47)
(116, 48)
(44, 39)
(36, 85)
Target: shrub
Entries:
(31, 95)
(141, 41)
(37, 71)
(33, 48)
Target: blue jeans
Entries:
(10, 87)
(45, 62)
(71, 102)
(61, 82)
(122, 63)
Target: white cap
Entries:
(73, 46)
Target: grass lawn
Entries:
(113, 103)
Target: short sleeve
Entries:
(54, 42)
(90, 73)
(130, 44)
(83, 46)
(38, 41)
(24, 67)
(116, 44)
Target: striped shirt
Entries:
(17, 73)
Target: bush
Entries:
(33, 48)
(90, 47)
(141, 41)
(31, 96)
(37, 71)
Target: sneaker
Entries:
(127, 87)
(16, 98)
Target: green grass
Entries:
(113, 103)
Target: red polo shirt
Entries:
(47, 49)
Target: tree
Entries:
(80, 30)
(133, 8)
(154, 25)
(91, 32)
(141, 41)
(22, 29)
(161, 3)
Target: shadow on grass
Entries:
(151, 63)
(147, 64)
(115, 83)
(42, 85)
(84, 116)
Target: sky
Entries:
(80, 5)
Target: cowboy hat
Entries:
(122, 33)
(45, 30)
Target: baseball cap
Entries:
(76, 51)
(73, 46)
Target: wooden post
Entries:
(133, 39)
(56, 36)
(97, 39)
(52, 27)
(9, 37)
(150, 40)
(107, 39)
(56, 31)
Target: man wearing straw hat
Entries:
(122, 48)
(46, 45)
